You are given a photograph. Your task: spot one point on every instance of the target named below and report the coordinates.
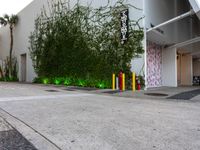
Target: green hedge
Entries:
(83, 43)
(8, 79)
(71, 81)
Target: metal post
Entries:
(191, 12)
(123, 82)
(117, 83)
(113, 81)
(133, 81)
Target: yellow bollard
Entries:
(113, 81)
(123, 82)
(133, 81)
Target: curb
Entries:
(33, 136)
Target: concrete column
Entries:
(169, 67)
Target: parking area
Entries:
(187, 93)
(52, 117)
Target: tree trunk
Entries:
(11, 49)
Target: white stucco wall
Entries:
(22, 32)
(4, 42)
(159, 11)
(26, 25)
(169, 67)
(156, 12)
(183, 27)
(138, 65)
(21, 37)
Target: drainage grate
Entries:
(186, 95)
(112, 92)
(82, 88)
(51, 90)
(69, 89)
(156, 94)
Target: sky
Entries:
(12, 6)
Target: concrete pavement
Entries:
(166, 91)
(73, 120)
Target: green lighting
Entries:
(45, 81)
(67, 82)
(57, 81)
(81, 83)
(101, 85)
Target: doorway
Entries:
(184, 69)
(196, 70)
(23, 68)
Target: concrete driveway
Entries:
(72, 120)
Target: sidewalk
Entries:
(162, 93)
(60, 118)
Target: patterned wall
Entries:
(154, 65)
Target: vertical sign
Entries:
(124, 25)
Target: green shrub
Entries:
(83, 43)
(8, 79)
(69, 81)
(4, 71)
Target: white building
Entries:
(173, 57)
(172, 52)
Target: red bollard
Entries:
(138, 84)
(139, 87)
(121, 80)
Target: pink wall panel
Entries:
(154, 65)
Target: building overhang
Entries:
(195, 4)
(196, 7)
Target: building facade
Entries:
(172, 52)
